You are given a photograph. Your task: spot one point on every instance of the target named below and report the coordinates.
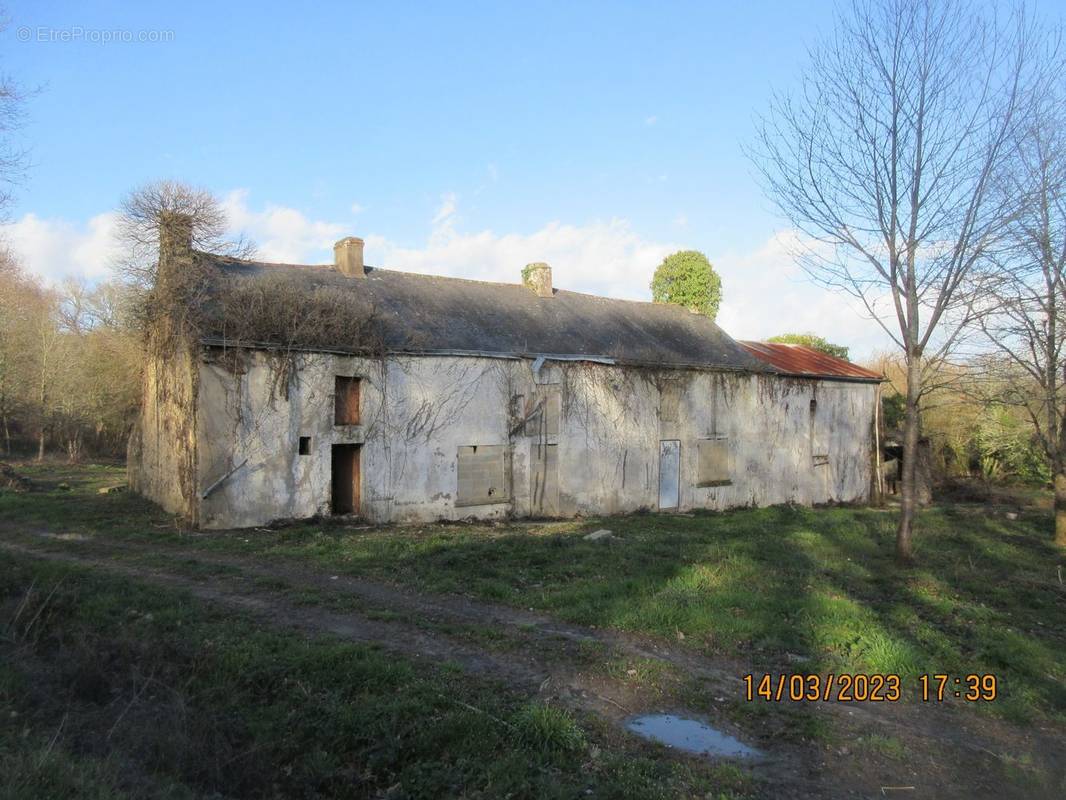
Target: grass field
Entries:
(113, 689)
(118, 686)
(987, 595)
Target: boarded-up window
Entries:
(345, 400)
(713, 463)
(544, 418)
(483, 475)
(669, 399)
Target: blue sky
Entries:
(459, 138)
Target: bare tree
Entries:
(884, 161)
(145, 211)
(12, 155)
(18, 296)
(1026, 326)
(48, 364)
(84, 307)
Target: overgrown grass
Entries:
(548, 728)
(110, 688)
(764, 585)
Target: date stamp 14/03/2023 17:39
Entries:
(863, 688)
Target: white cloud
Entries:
(681, 221)
(445, 216)
(357, 209)
(765, 291)
(602, 257)
(55, 249)
(649, 121)
(280, 233)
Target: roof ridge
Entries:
(442, 312)
(260, 263)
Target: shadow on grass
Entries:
(771, 586)
(782, 589)
(776, 587)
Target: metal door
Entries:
(669, 474)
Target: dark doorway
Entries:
(345, 478)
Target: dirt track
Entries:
(535, 653)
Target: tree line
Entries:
(70, 366)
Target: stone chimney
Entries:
(538, 277)
(348, 257)
(175, 234)
(175, 247)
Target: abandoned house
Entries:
(442, 398)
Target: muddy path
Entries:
(565, 663)
(535, 630)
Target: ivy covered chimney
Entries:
(538, 277)
(175, 234)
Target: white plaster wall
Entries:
(610, 447)
(417, 412)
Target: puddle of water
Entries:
(689, 735)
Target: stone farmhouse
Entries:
(468, 399)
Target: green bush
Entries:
(1004, 447)
(687, 279)
(893, 409)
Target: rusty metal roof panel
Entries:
(802, 361)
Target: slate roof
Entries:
(806, 362)
(432, 314)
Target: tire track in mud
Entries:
(537, 631)
(545, 656)
(275, 609)
(533, 627)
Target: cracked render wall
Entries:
(577, 438)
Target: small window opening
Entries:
(305, 446)
(819, 440)
(346, 400)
